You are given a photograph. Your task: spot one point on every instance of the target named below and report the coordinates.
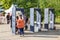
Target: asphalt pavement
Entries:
(6, 34)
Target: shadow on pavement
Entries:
(41, 36)
(48, 34)
(54, 32)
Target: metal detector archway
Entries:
(14, 9)
(49, 18)
(38, 19)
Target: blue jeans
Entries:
(21, 31)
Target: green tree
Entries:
(26, 4)
(6, 3)
(51, 4)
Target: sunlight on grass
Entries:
(57, 20)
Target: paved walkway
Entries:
(5, 34)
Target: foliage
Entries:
(51, 4)
(6, 3)
(3, 13)
(26, 4)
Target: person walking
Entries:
(11, 21)
(8, 18)
(20, 25)
(26, 22)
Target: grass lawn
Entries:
(57, 20)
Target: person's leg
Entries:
(16, 29)
(25, 27)
(7, 21)
(11, 25)
(22, 31)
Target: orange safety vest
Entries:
(20, 23)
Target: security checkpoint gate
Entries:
(14, 9)
(31, 18)
(51, 26)
(48, 18)
(34, 28)
(38, 19)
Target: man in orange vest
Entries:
(20, 25)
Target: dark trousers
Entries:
(26, 27)
(16, 29)
(11, 24)
(21, 31)
(8, 21)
